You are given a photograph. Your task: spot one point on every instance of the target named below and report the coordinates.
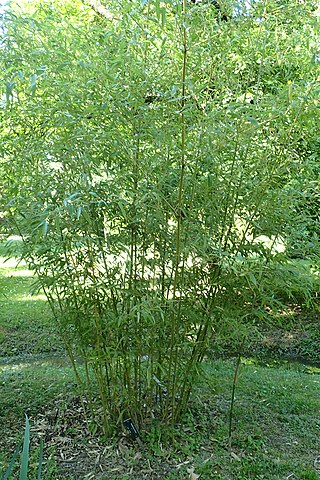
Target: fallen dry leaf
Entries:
(235, 456)
(192, 475)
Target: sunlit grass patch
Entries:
(17, 272)
(26, 323)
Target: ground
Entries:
(275, 423)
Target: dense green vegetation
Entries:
(160, 164)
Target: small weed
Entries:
(307, 474)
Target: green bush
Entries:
(143, 162)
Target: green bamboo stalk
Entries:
(234, 384)
(173, 356)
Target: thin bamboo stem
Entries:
(176, 315)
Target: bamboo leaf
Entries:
(45, 228)
(9, 89)
(253, 121)
(163, 16)
(158, 9)
(252, 278)
(33, 83)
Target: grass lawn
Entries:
(26, 325)
(275, 427)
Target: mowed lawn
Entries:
(26, 324)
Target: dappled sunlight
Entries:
(10, 262)
(273, 243)
(46, 360)
(17, 367)
(16, 273)
(30, 298)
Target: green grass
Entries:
(275, 429)
(276, 424)
(35, 389)
(26, 325)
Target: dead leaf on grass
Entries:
(182, 464)
(192, 475)
(90, 476)
(235, 456)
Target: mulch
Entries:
(81, 456)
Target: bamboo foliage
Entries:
(147, 176)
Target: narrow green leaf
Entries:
(33, 83)
(163, 16)
(9, 89)
(45, 228)
(253, 121)
(252, 278)
(123, 211)
(158, 9)
(14, 457)
(40, 460)
(25, 453)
